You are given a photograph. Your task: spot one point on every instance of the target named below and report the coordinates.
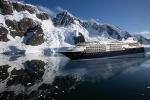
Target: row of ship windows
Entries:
(100, 50)
(97, 53)
(103, 47)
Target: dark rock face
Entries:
(32, 73)
(42, 16)
(65, 82)
(6, 95)
(30, 9)
(19, 77)
(6, 7)
(4, 72)
(3, 34)
(12, 24)
(37, 38)
(63, 18)
(25, 24)
(22, 27)
(79, 39)
(127, 35)
(37, 67)
(15, 33)
(60, 85)
(20, 7)
(13, 28)
(19, 28)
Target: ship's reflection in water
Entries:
(35, 77)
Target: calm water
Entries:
(35, 77)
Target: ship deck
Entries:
(89, 55)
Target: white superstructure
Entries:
(105, 46)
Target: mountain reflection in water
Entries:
(56, 77)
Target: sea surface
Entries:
(38, 77)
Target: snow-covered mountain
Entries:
(25, 28)
(142, 39)
(96, 31)
(93, 28)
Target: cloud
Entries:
(58, 8)
(22, 1)
(49, 11)
(146, 34)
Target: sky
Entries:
(130, 15)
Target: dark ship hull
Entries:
(86, 55)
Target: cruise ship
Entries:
(102, 49)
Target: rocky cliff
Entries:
(22, 25)
(11, 11)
